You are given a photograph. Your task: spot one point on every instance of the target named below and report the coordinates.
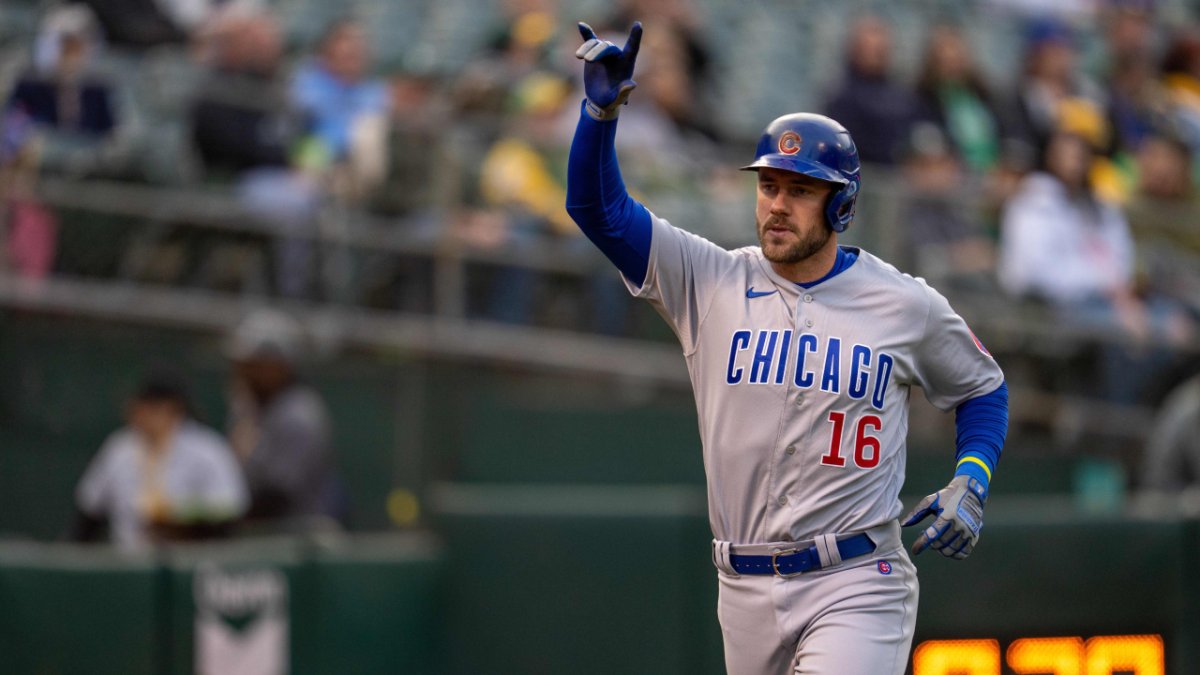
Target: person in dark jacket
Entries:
(876, 110)
(953, 95)
(279, 425)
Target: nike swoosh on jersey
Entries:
(751, 293)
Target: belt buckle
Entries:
(775, 562)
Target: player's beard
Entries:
(801, 249)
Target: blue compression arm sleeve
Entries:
(982, 424)
(597, 201)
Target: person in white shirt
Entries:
(1062, 244)
(1059, 242)
(163, 476)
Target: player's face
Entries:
(790, 213)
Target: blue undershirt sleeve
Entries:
(981, 424)
(598, 202)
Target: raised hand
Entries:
(608, 70)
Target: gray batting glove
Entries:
(959, 511)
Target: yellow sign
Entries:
(1102, 655)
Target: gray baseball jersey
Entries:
(802, 394)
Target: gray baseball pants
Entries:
(853, 618)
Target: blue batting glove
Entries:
(959, 511)
(607, 71)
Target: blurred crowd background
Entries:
(316, 253)
(172, 162)
(1032, 160)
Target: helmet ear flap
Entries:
(840, 209)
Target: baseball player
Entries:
(802, 355)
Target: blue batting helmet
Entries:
(816, 146)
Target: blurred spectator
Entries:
(241, 118)
(30, 228)
(527, 37)
(1129, 30)
(1111, 177)
(245, 131)
(652, 133)
(1137, 103)
(952, 93)
(524, 43)
(347, 110)
(665, 156)
(1050, 75)
(681, 83)
(419, 191)
(672, 87)
(1062, 244)
(80, 116)
(419, 114)
(278, 425)
(877, 110)
(521, 183)
(944, 241)
(524, 169)
(1165, 172)
(1181, 81)
(348, 113)
(164, 476)
(1136, 100)
(1164, 215)
(60, 92)
(684, 18)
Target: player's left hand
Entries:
(608, 70)
(959, 511)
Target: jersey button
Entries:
(782, 500)
(791, 449)
(808, 323)
(807, 297)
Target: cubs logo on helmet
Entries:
(789, 143)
